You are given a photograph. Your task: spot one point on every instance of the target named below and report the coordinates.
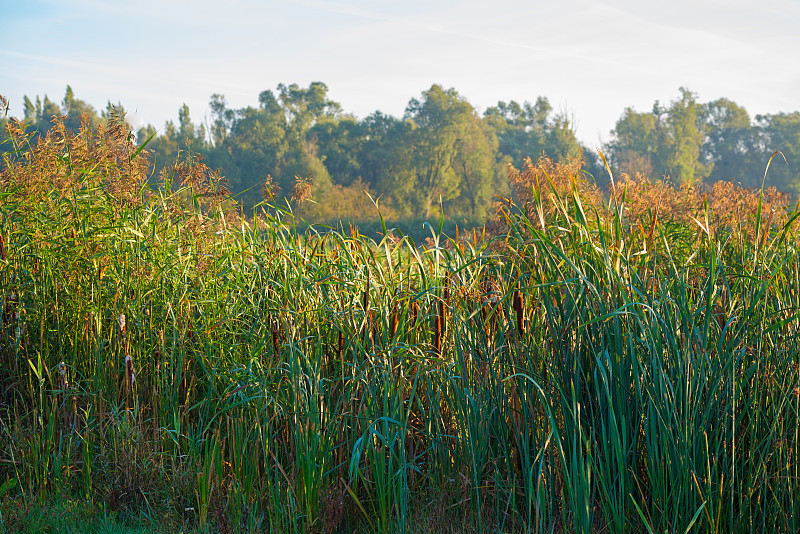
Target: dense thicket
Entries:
(623, 362)
(443, 150)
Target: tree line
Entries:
(442, 151)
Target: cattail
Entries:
(121, 322)
(365, 297)
(437, 335)
(440, 322)
(393, 321)
(130, 376)
(413, 312)
(767, 229)
(368, 322)
(63, 383)
(68, 409)
(154, 398)
(275, 335)
(518, 303)
(719, 309)
(485, 322)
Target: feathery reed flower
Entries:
(270, 188)
(301, 190)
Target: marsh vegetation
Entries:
(620, 360)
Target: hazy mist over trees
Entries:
(442, 149)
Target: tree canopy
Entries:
(442, 150)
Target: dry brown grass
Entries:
(64, 162)
(544, 189)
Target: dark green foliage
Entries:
(441, 151)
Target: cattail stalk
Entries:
(64, 397)
(440, 322)
(368, 322)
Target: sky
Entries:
(591, 59)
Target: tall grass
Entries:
(582, 371)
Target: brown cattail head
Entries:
(275, 342)
(365, 296)
(413, 312)
(393, 321)
(437, 335)
(518, 302)
(121, 322)
(369, 324)
(63, 383)
(767, 228)
(130, 376)
(65, 407)
(720, 316)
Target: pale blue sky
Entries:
(590, 59)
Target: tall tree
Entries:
(386, 160)
(441, 119)
(665, 142)
(521, 129)
(561, 142)
(77, 111)
(254, 148)
(222, 118)
(339, 143)
(634, 143)
(781, 132)
(731, 144)
(685, 137)
(304, 107)
(39, 115)
(476, 164)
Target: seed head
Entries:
(129, 368)
(302, 190)
(62, 376)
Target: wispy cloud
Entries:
(591, 58)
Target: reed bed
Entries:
(589, 367)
